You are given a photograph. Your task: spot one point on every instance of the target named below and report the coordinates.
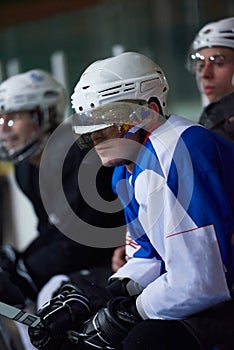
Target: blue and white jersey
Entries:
(179, 207)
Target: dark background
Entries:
(84, 31)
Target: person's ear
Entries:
(153, 105)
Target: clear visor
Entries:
(133, 114)
(18, 133)
(196, 62)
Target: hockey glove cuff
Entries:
(110, 325)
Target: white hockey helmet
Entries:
(120, 80)
(37, 92)
(219, 33)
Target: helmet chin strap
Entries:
(233, 80)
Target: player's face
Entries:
(16, 128)
(215, 71)
(113, 148)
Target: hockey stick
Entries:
(28, 319)
(18, 315)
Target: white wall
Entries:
(20, 221)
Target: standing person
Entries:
(211, 59)
(32, 106)
(176, 185)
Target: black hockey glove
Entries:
(110, 325)
(12, 265)
(68, 310)
(72, 304)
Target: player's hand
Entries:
(68, 310)
(118, 258)
(111, 324)
(73, 303)
(42, 338)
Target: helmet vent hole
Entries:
(92, 105)
(50, 93)
(129, 87)
(109, 90)
(111, 93)
(227, 31)
(80, 108)
(85, 87)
